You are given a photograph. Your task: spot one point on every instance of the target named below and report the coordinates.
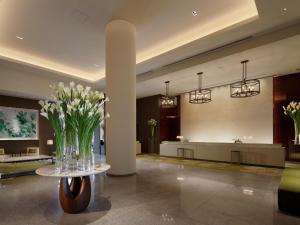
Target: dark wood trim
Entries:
(285, 90)
(146, 109)
(168, 126)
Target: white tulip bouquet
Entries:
(293, 111)
(52, 111)
(78, 110)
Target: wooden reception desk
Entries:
(256, 154)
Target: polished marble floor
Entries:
(160, 193)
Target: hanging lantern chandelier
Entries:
(200, 95)
(245, 88)
(167, 101)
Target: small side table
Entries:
(180, 153)
(191, 153)
(74, 197)
(237, 155)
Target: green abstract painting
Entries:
(18, 124)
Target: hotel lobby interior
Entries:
(149, 112)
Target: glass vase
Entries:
(59, 153)
(58, 165)
(85, 150)
(152, 130)
(297, 133)
(70, 162)
(84, 162)
(151, 145)
(70, 147)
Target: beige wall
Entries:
(24, 81)
(225, 118)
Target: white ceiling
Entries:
(67, 36)
(278, 58)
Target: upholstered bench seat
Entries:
(289, 191)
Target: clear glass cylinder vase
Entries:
(85, 162)
(70, 162)
(59, 153)
(58, 165)
(297, 133)
(85, 150)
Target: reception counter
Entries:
(256, 154)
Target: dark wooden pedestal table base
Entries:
(74, 196)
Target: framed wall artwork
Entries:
(18, 124)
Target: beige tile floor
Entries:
(160, 193)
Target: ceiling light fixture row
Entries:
(200, 95)
(246, 87)
(241, 89)
(167, 101)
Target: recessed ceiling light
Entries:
(180, 178)
(19, 37)
(284, 9)
(195, 13)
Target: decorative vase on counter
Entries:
(152, 125)
(151, 144)
(293, 111)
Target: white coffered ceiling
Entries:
(67, 37)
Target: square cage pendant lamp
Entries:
(200, 95)
(167, 101)
(246, 87)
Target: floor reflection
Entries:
(97, 209)
(160, 193)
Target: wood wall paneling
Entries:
(147, 108)
(168, 122)
(285, 89)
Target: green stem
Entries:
(297, 131)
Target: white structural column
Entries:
(121, 90)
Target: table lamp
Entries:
(181, 138)
(49, 142)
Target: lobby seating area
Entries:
(289, 191)
(22, 163)
(157, 112)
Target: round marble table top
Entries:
(50, 171)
